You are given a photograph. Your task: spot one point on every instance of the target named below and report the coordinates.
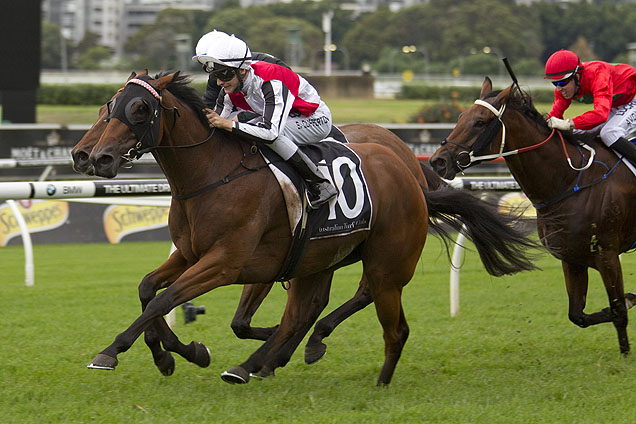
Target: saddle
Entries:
(351, 211)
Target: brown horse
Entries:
(245, 246)
(254, 294)
(584, 196)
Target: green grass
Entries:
(510, 356)
(380, 111)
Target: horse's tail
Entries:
(433, 180)
(501, 244)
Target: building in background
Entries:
(114, 21)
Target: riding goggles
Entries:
(225, 74)
(562, 83)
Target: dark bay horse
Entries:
(249, 244)
(585, 197)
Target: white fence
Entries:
(156, 193)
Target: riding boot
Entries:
(625, 148)
(320, 189)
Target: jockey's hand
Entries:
(560, 124)
(216, 121)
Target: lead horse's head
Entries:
(479, 134)
(130, 128)
(82, 150)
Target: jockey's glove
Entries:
(560, 124)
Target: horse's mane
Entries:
(180, 87)
(521, 101)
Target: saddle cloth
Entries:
(351, 211)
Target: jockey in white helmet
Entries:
(276, 106)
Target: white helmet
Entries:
(218, 48)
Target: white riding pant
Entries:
(301, 129)
(620, 123)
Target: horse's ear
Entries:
(164, 81)
(133, 74)
(486, 87)
(503, 96)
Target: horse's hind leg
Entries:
(612, 275)
(251, 299)
(315, 348)
(388, 306)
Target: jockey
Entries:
(275, 106)
(212, 89)
(611, 88)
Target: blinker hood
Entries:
(147, 130)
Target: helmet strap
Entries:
(577, 82)
(240, 79)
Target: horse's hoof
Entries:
(630, 300)
(236, 375)
(103, 362)
(165, 363)
(315, 352)
(202, 356)
(266, 372)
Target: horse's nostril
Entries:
(105, 160)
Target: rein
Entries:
(567, 193)
(137, 151)
(498, 114)
(228, 178)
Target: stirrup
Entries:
(317, 202)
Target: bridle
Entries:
(471, 158)
(146, 131)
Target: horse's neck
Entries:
(188, 168)
(543, 173)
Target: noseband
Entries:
(466, 158)
(471, 158)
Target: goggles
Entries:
(562, 83)
(225, 74)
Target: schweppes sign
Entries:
(39, 215)
(119, 221)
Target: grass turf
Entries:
(510, 356)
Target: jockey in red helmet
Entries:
(610, 88)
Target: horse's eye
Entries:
(480, 124)
(137, 111)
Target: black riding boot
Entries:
(320, 189)
(625, 148)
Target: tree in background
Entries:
(264, 31)
(442, 35)
(155, 46)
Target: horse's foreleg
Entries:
(315, 348)
(162, 277)
(281, 357)
(207, 274)
(251, 299)
(306, 299)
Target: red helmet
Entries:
(562, 64)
